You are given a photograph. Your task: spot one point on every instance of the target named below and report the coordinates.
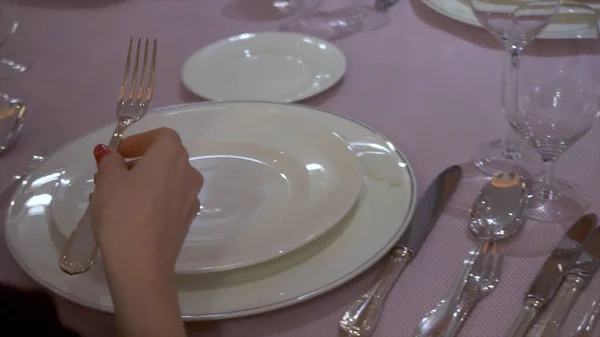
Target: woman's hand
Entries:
(141, 214)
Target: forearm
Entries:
(146, 303)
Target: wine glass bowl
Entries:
(555, 103)
(292, 7)
(360, 16)
(498, 18)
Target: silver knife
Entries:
(580, 273)
(588, 323)
(362, 317)
(556, 267)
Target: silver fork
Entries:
(80, 250)
(483, 278)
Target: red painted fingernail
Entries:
(100, 151)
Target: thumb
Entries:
(109, 163)
(112, 162)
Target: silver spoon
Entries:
(495, 215)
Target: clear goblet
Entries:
(12, 62)
(360, 16)
(292, 7)
(554, 101)
(507, 154)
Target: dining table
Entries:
(429, 84)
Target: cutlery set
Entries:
(496, 215)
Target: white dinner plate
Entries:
(461, 11)
(379, 218)
(273, 181)
(273, 66)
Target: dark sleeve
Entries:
(25, 313)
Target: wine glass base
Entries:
(337, 24)
(559, 203)
(12, 66)
(370, 18)
(292, 7)
(492, 158)
(471, 183)
(324, 25)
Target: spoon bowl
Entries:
(497, 212)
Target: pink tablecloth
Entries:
(428, 83)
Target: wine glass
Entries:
(554, 100)
(507, 154)
(12, 63)
(291, 7)
(360, 16)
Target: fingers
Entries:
(197, 180)
(137, 145)
(131, 163)
(193, 211)
(111, 165)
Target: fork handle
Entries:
(463, 309)
(80, 249)
(363, 315)
(435, 323)
(117, 136)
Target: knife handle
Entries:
(361, 317)
(528, 313)
(548, 325)
(588, 323)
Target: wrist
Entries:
(145, 300)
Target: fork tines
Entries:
(131, 89)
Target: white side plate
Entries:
(274, 66)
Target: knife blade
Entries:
(363, 315)
(578, 276)
(555, 268)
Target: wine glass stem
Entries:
(511, 148)
(548, 177)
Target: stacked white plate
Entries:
(296, 202)
(460, 10)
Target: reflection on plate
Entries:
(274, 66)
(274, 181)
(377, 221)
